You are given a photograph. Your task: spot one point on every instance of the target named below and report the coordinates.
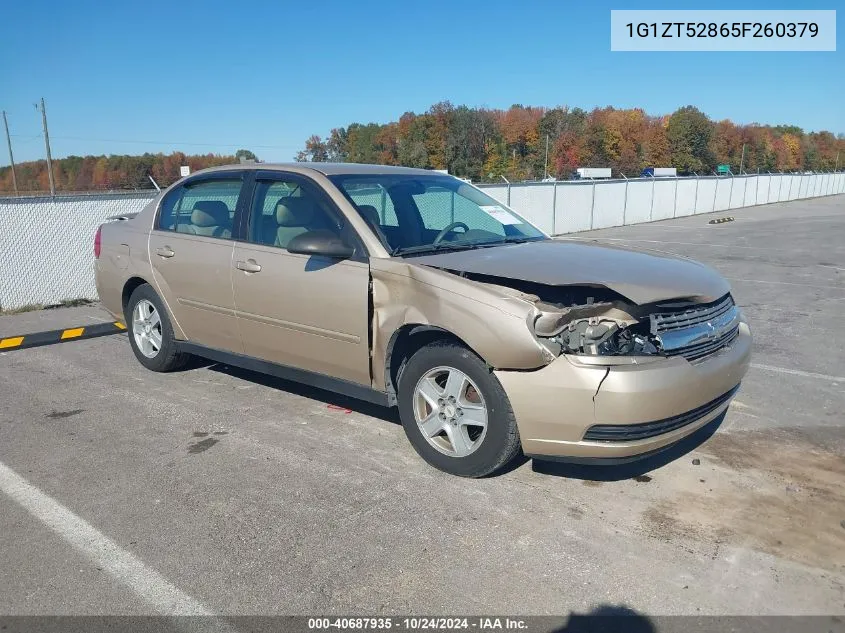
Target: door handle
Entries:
(249, 266)
(165, 251)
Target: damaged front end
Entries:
(594, 329)
(583, 320)
(598, 323)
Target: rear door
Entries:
(191, 248)
(308, 312)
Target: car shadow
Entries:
(607, 618)
(388, 414)
(619, 472)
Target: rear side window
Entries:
(206, 208)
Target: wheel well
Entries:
(403, 344)
(128, 288)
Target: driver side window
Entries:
(284, 209)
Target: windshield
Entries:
(419, 214)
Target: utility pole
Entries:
(742, 160)
(546, 163)
(11, 157)
(834, 169)
(47, 143)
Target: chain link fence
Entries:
(47, 244)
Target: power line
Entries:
(112, 140)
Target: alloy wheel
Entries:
(450, 411)
(146, 328)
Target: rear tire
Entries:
(150, 332)
(455, 412)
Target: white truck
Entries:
(593, 172)
(659, 172)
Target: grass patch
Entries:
(71, 303)
(31, 307)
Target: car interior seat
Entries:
(293, 217)
(210, 218)
(369, 213)
(266, 230)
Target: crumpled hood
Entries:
(640, 276)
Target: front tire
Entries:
(455, 412)
(150, 332)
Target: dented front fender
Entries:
(494, 325)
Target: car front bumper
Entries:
(575, 408)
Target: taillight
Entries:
(97, 242)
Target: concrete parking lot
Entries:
(215, 490)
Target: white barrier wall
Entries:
(535, 197)
(46, 244)
(595, 204)
(663, 198)
(573, 208)
(638, 205)
(686, 197)
(609, 205)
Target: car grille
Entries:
(696, 352)
(697, 331)
(630, 432)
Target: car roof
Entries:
(328, 169)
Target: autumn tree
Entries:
(412, 133)
(655, 148)
(315, 150)
(486, 144)
(85, 173)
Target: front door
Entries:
(308, 312)
(191, 250)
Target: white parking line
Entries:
(123, 566)
(798, 372)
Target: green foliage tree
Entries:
(466, 142)
(245, 154)
(336, 145)
(689, 133)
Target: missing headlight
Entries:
(604, 337)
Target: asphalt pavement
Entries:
(216, 490)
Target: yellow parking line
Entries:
(73, 333)
(119, 325)
(11, 342)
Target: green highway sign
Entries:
(723, 169)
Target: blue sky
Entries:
(130, 77)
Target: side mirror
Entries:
(320, 242)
